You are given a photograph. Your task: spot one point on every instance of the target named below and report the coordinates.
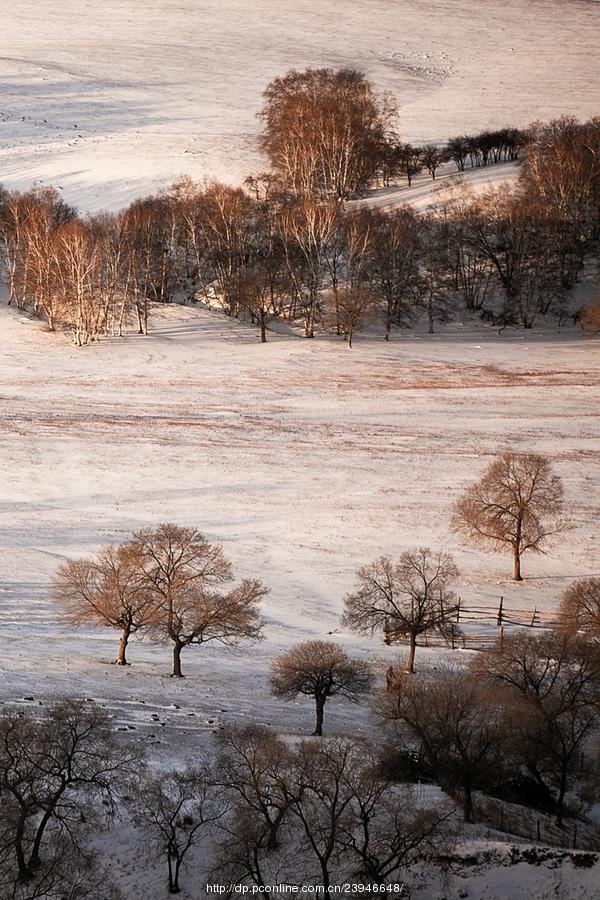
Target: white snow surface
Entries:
(305, 460)
(116, 99)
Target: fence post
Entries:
(533, 618)
(501, 638)
(458, 609)
(452, 636)
(500, 609)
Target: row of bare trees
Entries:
(288, 247)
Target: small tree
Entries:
(319, 669)
(579, 609)
(350, 309)
(410, 597)
(174, 807)
(181, 571)
(105, 590)
(516, 504)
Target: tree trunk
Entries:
(24, 870)
(173, 874)
(516, 565)
(177, 648)
(561, 800)
(263, 330)
(430, 314)
(410, 663)
(467, 802)
(320, 704)
(121, 659)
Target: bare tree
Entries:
(394, 266)
(54, 773)
(323, 131)
(387, 830)
(350, 309)
(432, 157)
(306, 228)
(174, 806)
(106, 590)
(579, 609)
(252, 767)
(555, 683)
(411, 597)
(458, 724)
(589, 320)
(516, 504)
(181, 572)
(319, 669)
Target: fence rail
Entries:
(478, 627)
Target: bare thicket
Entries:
(281, 245)
(516, 505)
(579, 610)
(59, 774)
(319, 669)
(553, 704)
(458, 724)
(409, 598)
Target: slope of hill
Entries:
(116, 99)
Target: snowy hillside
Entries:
(305, 460)
(115, 99)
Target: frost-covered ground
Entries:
(111, 100)
(304, 459)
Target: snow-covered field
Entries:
(303, 458)
(115, 99)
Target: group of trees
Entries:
(517, 723)
(167, 582)
(289, 246)
(62, 776)
(328, 134)
(264, 810)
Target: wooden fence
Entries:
(479, 627)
